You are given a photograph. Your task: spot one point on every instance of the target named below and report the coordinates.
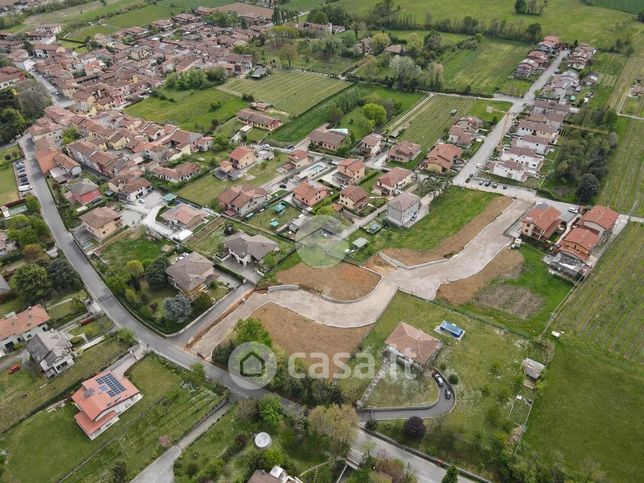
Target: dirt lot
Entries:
(507, 263)
(380, 265)
(518, 301)
(455, 243)
(342, 282)
(295, 333)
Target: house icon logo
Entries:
(252, 365)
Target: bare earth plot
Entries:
(623, 188)
(606, 310)
(342, 282)
(455, 243)
(292, 92)
(295, 333)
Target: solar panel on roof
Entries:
(111, 384)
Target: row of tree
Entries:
(20, 106)
(195, 79)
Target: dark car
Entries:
(283, 186)
(505, 186)
(448, 394)
(488, 183)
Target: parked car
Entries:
(480, 182)
(283, 186)
(14, 368)
(448, 394)
(488, 183)
(574, 210)
(505, 186)
(495, 185)
(439, 380)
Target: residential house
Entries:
(51, 351)
(510, 169)
(371, 144)
(191, 274)
(543, 106)
(18, 328)
(525, 156)
(580, 57)
(459, 136)
(10, 76)
(83, 192)
(393, 181)
(579, 243)
(541, 222)
(130, 187)
(403, 210)
(353, 198)
(536, 143)
(599, 219)
(532, 369)
(442, 157)
(242, 199)
(526, 68)
(178, 174)
(101, 400)
(350, 171)
(528, 128)
(395, 49)
(296, 160)
(184, 216)
(327, 140)
(242, 156)
(310, 193)
(412, 346)
(549, 44)
(404, 152)
(246, 249)
(276, 475)
(259, 120)
(101, 222)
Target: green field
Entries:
(632, 6)
(606, 310)
(289, 91)
(447, 215)
(190, 110)
(167, 408)
(570, 19)
(545, 293)
(432, 120)
(8, 186)
(633, 69)
(487, 363)
(589, 409)
(609, 66)
(485, 69)
(623, 187)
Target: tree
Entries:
(587, 188)
(33, 98)
(369, 70)
(252, 330)
(317, 16)
(135, 268)
(335, 114)
(70, 134)
(640, 16)
(338, 423)
(380, 42)
(119, 472)
(201, 303)
(177, 308)
(197, 374)
(32, 252)
(521, 6)
(117, 285)
(216, 75)
(375, 112)
(155, 273)
(270, 410)
(534, 30)
(451, 476)
(414, 427)
(592, 470)
(288, 53)
(62, 275)
(406, 72)
(413, 42)
(32, 281)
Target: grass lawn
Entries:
(547, 289)
(264, 219)
(606, 310)
(290, 91)
(95, 328)
(39, 392)
(590, 408)
(633, 69)
(447, 215)
(219, 443)
(132, 245)
(134, 439)
(623, 186)
(487, 363)
(398, 390)
(484, 69)
(19, 382)
(191, 110)
(204, 190)
(610, 67)
(433, 119)
(8, 186)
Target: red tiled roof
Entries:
(601, 215)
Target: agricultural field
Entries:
(487, 363)
(632, 6)
(570, 19)
(609, 66)
(606, 310)
(134, 439)
(485, 69)
(289, 91)
(191, 110)
(589, 411)
(633, 69)
(433, 119)
(623, 187)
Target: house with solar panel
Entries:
(101, 400)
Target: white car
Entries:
(574, 210)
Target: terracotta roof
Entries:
(332, 138)
(308, 190)
(444, 155)
(404, 201)
(587, 239)
(354, 193)
(22, 322)
(393, 177)
(544, 217)
(93, 398)
(413, 343)
(239, 152)
(601, 215)
(183, 214)
(99, 217)
(298, 155)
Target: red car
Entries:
(14, 368)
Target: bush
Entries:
(371, 425)
(414, 428)
(453, 379)
(76, 340)
(192, 468)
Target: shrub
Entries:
(192, 468)
(371, 425)
(414, 428)
(453, 379)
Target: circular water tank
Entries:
(263, 440)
